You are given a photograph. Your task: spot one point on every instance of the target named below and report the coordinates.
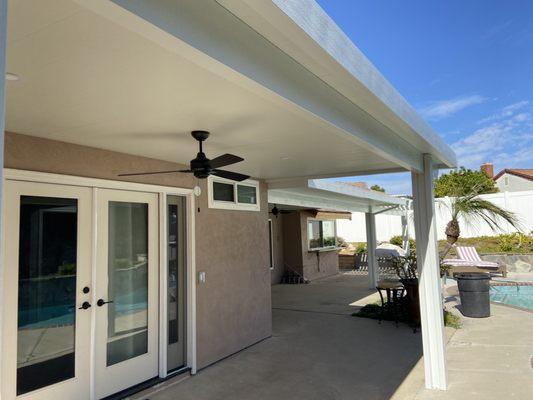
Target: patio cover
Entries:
(333, 196)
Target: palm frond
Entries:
(474, 209)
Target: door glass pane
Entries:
(46, 291)
(176, 282)
(127, 281)
(246, 194)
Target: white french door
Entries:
(126, 347)
(47, 292)
(72, 307)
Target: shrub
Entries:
(398, 241)
(515, 242)
(361, 248)
(505, 243)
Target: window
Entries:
(231, 195)
(271, 243)
(321, 234)
(223, 192)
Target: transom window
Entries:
(321, 234)
(231, 195)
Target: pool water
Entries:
(513, 295)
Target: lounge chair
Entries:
(470, 261)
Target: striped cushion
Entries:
(456, 262)
(468, 253)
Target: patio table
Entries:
(394, 291)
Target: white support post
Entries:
(373, 271)
(430, 293)
(3, 56)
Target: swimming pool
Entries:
(516, 295)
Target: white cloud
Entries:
(506, 140)
(505, 112)
(445, 108)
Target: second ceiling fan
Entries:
(201, 166)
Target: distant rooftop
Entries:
(523, 173)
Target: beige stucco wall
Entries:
(277, 238)
(316, 265)
(295, 251)
(234, 305)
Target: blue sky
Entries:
(466, 66)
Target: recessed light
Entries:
(11, 77)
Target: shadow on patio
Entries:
(317, 351)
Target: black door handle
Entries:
(101, 302)
(85, 305)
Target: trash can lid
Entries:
(472, 275)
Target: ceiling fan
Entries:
(202, 167)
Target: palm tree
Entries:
(471, 208)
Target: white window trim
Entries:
(271, 233)
(232, 205)
(324, 248)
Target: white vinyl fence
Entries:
(387, 225)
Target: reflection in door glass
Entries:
(46, 291)
(127, 281)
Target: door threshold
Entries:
(126, 393)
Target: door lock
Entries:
(85, 305)
(101, 302)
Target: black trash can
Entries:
(474, 293)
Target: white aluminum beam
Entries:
(430, 292)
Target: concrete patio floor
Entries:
(319, 351)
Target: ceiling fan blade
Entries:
(225, 159)
(234, 176)
(156, 172)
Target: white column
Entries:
(429, 278)
(3, 34)
(373, 272)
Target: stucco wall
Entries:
(296, 254)
(277, 238)
(233, 306)
(316, 264)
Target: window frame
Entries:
(322, 248)
(233, 205)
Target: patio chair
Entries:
(469, 257)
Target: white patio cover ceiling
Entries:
(335, 196)
(137, 76)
